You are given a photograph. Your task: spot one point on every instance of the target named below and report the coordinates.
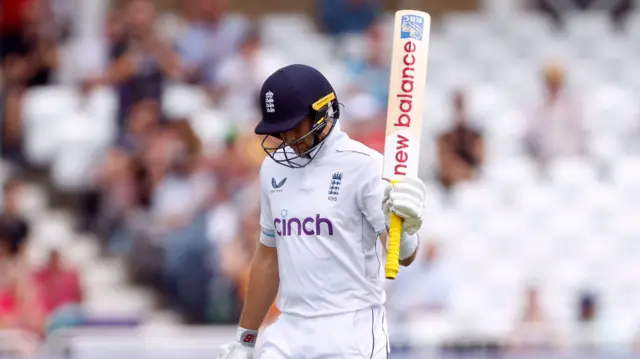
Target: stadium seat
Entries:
(510, 173)
(446, 228)
(73, 166)
(53, 229)
(485, 103)
(105, 274)
(605, 149)
(212, 127)
(610, 109)
(106, 302)
(352, 47)
(45, 104)
(181, 101)
(474, 198)
(33, 200)
(571, 178)
(464, 25)
(529, 25)
(584, 26)
(43, 110)
(281, 25)
(626, 178)
(115, 347)
(102, 103)
(83, 251)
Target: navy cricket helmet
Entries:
(288, 97)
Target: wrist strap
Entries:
(247, 337)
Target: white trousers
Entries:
(361, 334)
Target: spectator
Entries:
(211, 36)
(142, 120)
(59, 283)
(371, 74)
(141, 62)
(424, 287)
(30, 50)
(14, 228)
(236, 256)
(181, 192)
(589, 327)
(461, 149)
(87, 58)
(21, 305)
(339, 17)
(118, 197)
(239, 77)
(29, 57)
(556, 128)
(534, 332)
(222, 226)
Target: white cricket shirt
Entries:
(324, 219)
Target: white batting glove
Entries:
(241, 348)
(235, 350)
(406, 199)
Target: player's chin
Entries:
(299, 150)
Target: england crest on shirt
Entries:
(334, 186)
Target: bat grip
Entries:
(392, 266)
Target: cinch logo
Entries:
(309, 226)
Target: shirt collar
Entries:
(329, 143)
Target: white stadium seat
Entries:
(587, 25)
(211, 126)
(44, 103)
(184, 101)
(626, 172)
(510, 173)
(610, 109)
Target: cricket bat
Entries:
(404, 113)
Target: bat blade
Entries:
(407, 82)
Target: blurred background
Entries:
(129, 171)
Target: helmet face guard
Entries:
(322, 112)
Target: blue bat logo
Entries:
(412, 27)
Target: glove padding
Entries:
(235, 350)
(405, 199)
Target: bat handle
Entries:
(392, 266)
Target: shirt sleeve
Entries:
(267, 235)
(371, 193)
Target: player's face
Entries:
(296, 138)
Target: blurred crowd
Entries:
(30, 297)
(183, 212)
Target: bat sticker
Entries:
(412, 27)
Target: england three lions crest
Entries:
(412, 27)
(334, 186)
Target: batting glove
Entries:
(405, 199)
(241, 348)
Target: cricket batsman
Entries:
(324, 214)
